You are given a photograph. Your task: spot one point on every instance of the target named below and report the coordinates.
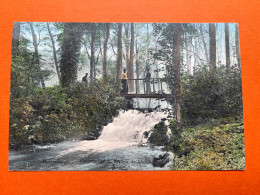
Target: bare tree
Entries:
(131, 62)
(105, 51)
(36, 53)
(137, 65)
(176, 62)
(227, 46)
(237, 46)
(187, 54)
(212, 42)
(127, 60)
(92, 51)
(119, 52)
(54, 52)
(204, 45)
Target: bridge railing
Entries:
(145, 86)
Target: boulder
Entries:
(146, 133)
(164, 156)
(163, 119)
(161, 161)
(89, 136)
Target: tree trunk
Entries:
(127, 60)
(137, 66)
(36, 53)
(131, 62)
(237, 47)
(227, 46)
(195, 53)
(70, 48)
(148, 42)
(212, 42)
(119, 53)
(176, 60)
(105, 51)
(54, 52)
(15, 38)
(204, 45)
(187, 55)
(92, 52)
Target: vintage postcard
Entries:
(126, 96)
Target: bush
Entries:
(208, 95)
(159, 135)
(95, 106)
(213, 146)
(55, 114)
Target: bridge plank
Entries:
(147, 95)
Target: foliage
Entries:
(55, 114)
(208, 95)
(70, 52)
(175, 139)
(96, 105)
(217, 145)
(25, 73)
(159, 134)
(166, 32)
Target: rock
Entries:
(130, 103)
(164, 156)
(170, 115)
(146, 133)
(142, 145)
(89, 136)
(161, 161)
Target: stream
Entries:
(121, 146)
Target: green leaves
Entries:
(159, 134)
(206, 96)
(212, 146)
(54, 113)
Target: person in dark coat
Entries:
(148, 81)
(85, 80)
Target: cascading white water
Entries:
(129, 126)
(117, 148)
(125, 130)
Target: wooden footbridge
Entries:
(142, 88)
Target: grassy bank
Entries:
(216, 145)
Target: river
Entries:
(121, 146)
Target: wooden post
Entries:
(153, 85)
(144, 86)
(135, 86)
(158, 83)
(161, 85)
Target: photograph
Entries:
(125, 97)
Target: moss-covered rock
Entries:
(159, 134)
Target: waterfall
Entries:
(117, 148)
(125, 130)
(129, 126)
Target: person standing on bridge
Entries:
(148, 81)
(85, 80)
(124, 82)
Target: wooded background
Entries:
(244, 12)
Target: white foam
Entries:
(125, 130)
